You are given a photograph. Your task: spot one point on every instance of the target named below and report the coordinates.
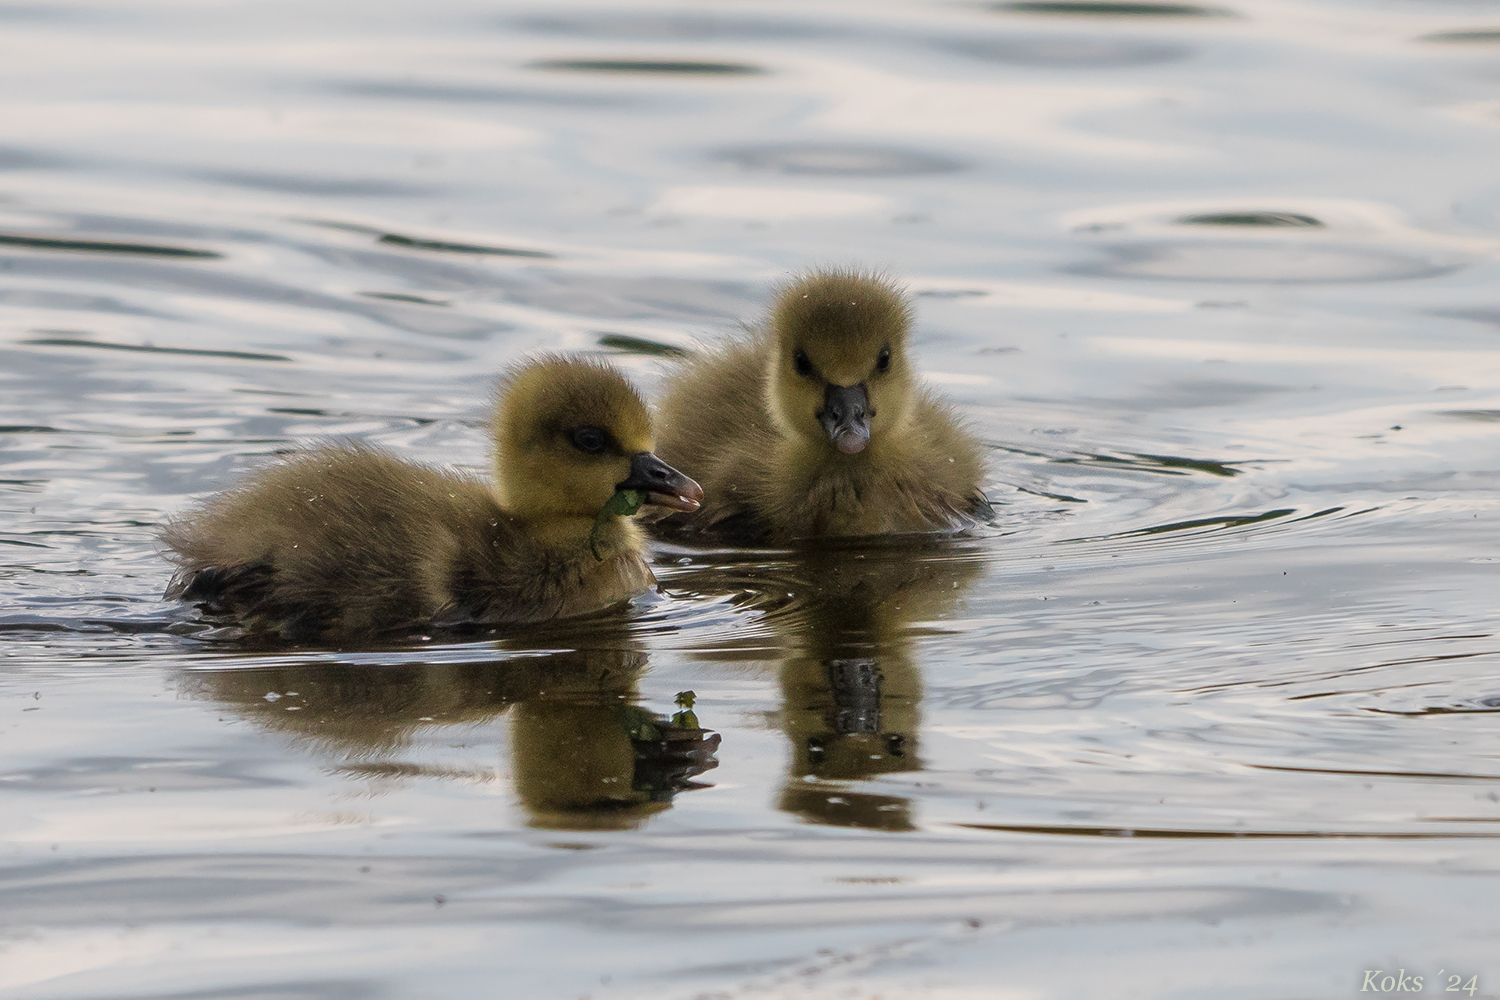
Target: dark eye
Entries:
(590, 439)
(803, 366)
(883, 362)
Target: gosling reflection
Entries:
(605, 764)
(852, 688)
(851, 700)
(583, 755)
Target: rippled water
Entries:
(1209, 711)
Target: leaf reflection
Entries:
(584, 756)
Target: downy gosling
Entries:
(349, 542)
(815, 425)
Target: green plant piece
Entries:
(685, 718)
(623, 504)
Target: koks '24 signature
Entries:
(1380, 981)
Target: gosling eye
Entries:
(803, 366)
(589, 439)
(883, 362)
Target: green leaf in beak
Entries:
(622, 504)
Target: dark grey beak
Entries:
(846, 417)
(662, 484)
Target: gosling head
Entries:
(569, 433)
(839, 375)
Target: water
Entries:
(1209, 711)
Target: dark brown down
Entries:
(348, 541)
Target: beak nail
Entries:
(662, 484)
(846, 417)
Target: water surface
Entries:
(1208, 711)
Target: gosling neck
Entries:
(579, 537)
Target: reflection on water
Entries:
(850, 681)
(1104, 8)
(852, 689)
(584, 755)
(1208, 710)
(650, 67)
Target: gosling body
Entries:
(348, 541)
(815, 425)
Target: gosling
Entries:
(815, 425)
(347, 541)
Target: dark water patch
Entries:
(379, 770)
(1194, 525)
(150, 348)
(1486, 706)
(1060, 497)
(838, 160)
(445, 246)
(1483, 416)
(963, 293)
(15, 158)
(1167, 465)
(650, 67)
(437, 246)
(1270, 220)
(403, 297)
(1106, 8)
(686, 26)
(25, 429)
(1188, 834)
(471, 94)
(43, 12)
(299, 411)
(104, 246)
(1421, 639)
(1266, 262)
(1362, 773)
(330, 187)
(640, 345)
(1489, 316)
(1468, 36)
(1070, 51)
(25, 545)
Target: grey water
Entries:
(1211, 710)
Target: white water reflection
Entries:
(1208, 710)
(767, 203)
(1020, 119)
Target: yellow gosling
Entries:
(815, 425)
(348, 542)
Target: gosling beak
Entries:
(846, 417)
(662, 484)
